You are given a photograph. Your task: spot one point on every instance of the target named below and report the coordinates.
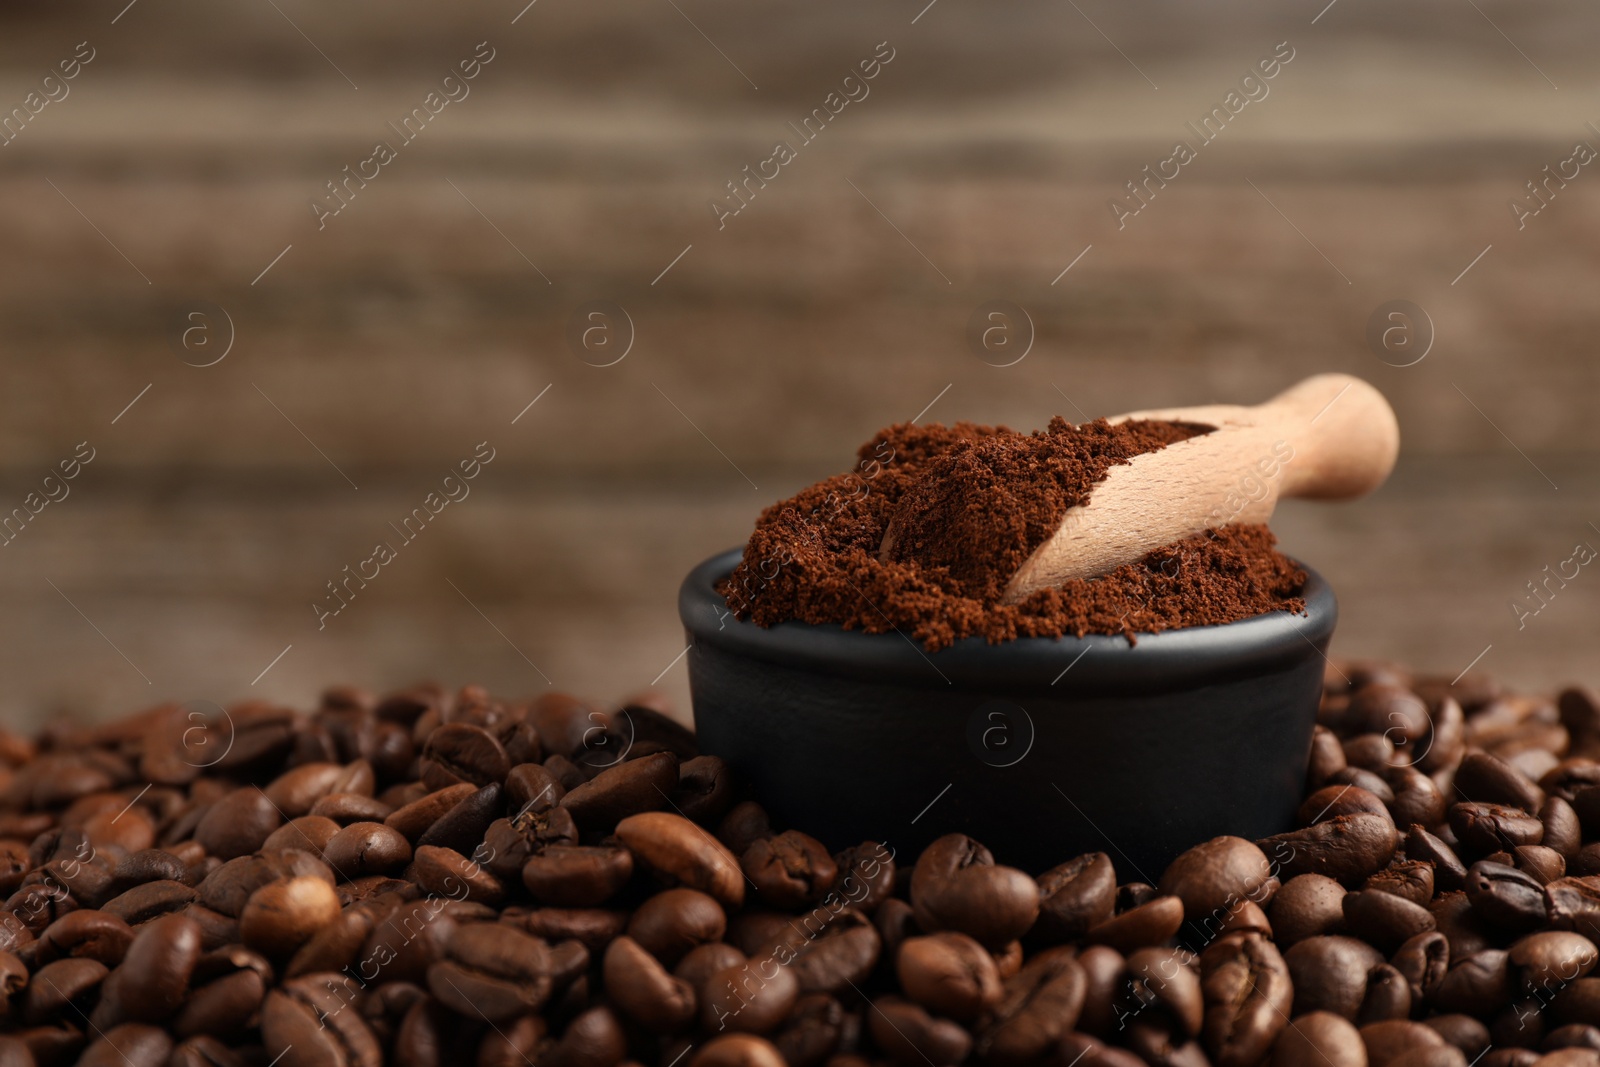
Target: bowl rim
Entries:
(1163, 661)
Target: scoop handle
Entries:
(1344, 433)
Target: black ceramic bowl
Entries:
(1040, 748)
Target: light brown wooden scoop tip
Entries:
(1331, 436)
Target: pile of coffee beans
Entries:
(435, 879)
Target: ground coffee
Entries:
(815, 557)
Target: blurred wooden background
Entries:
(380, 350)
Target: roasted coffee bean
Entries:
(1465, 929)
(309, 833)
(568, 774)
(463, 826)
(1463, 1031)
(445, 872)
(677, 851)
(1491, 827)
(1562, 831)
(224, 1007)
(956, 886)
(295, 791)
(1327, 757)
(1105, 974)
(1545, 962)
(1409, 879)
(1486, 778)
(1391, 710)
(592, 927)
(1370, 751)
(1388, 996)
(644, 784)
(1343, 798)
(812, 1032)
(1330, 974)
(1479, 984)
(153, 978)
(1075, 896)
(949, 974)
(144, 902)
(1506, 897)
(148, 865)
(365, 848)
(1086, 1051)
(531, 788)
(671, 923)
(572, 875)
(346, 808)
(1309, 905)
(62, 988)
(414, 818)
(316, 1016)
(95, 935)
(204, 1051)
(1423, 961)
(698, 964)
(1037, 1006)
(1417, 798)
(491, 971)
(909, 1036)
(1154, 922)
(1545, 864)
(1347, 848)
(1247, 994)
(1449, 873)
(1213, 879)
(1156, 1044)
(744, 825)
(753, 997)
(828, 952)
(644, 990)
(129, 1045)
(866, 875)
(1167, 980)
(405, 942)
(1385, 920)
(1574, 904)
(227, 888)
(281, 916)
(705, 789)
(1388, 1041)
(510, 843)
(790, 870)
(514, 1045)
(1316, 1037)
(238, 824)
(732, 1050)
(1446, 742)
(458, 752)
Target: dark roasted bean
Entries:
(1075, 896)
(1330, 974)
(789, 870)
(644, 784)
(491, 971)
(458, 752)
(1347, 848)
(1506, 897)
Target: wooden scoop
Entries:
(1330, 437)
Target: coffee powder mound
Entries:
(815, 557)
(981, 509)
